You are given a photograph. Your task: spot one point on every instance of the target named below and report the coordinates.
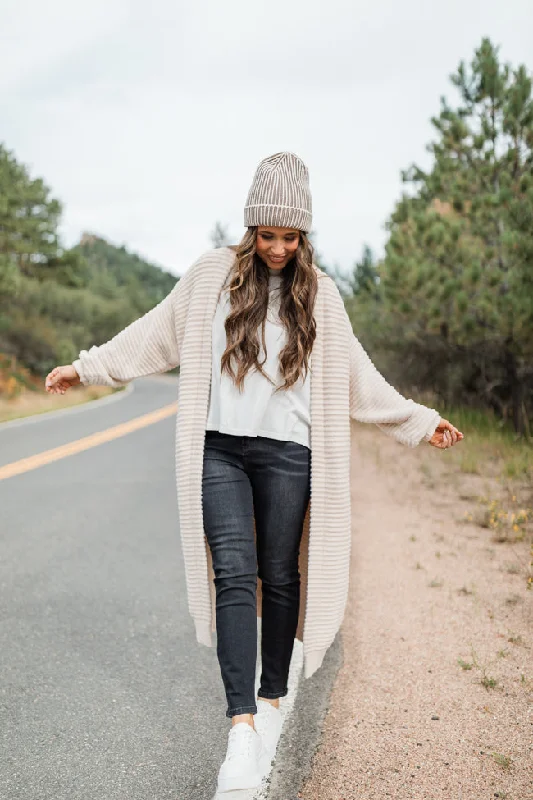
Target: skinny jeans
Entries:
(243, 477)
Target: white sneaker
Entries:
(267, 722)
(240, 769)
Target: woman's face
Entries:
(276, 246)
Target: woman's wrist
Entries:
(76, 364)
(430, 432)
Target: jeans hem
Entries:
(232, 712)
(272, 695)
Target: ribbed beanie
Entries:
(280, 194)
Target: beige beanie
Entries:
(279, 194)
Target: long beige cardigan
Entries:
(344, 385)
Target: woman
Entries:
(270, 375)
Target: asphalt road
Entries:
(104, 692)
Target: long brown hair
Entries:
(249, 293)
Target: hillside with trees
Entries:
(56, 301)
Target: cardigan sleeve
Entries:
(147, 346)
(373, 399)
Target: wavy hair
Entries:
(249, 294)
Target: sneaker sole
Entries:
(267, 757)
(265, 762)
(239, 782)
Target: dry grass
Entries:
(29, 403)
(490, 447)
(495, 471)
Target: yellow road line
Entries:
(40, 459)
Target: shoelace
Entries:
(240, 743)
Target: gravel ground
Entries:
(406, 720)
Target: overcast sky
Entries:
(149, 119)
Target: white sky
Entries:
(149, 119)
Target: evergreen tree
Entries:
(457, 277)
(28, 219)
(362, 278)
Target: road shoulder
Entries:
(434, 694)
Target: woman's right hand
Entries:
(61, 378)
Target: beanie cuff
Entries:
(278, 216)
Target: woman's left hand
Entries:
(445, 435)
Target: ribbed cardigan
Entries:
(345, 385)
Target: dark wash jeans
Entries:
(243, 475)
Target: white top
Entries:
(257, 411)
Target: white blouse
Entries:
(258, 411)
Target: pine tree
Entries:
(28, 219)
(458, 274)
(362, 279)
